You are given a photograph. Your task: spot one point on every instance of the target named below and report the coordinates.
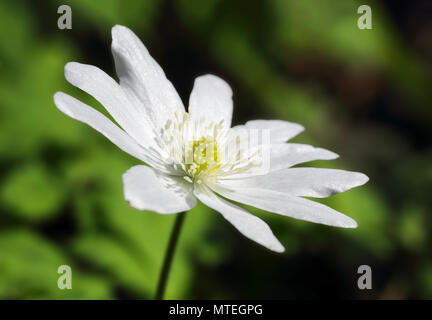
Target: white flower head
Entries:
(196, 154)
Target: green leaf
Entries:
(28, 270)
(33, 192)
(411, 228)
(112, 256)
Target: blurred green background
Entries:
(365, 94)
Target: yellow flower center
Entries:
(201, 156)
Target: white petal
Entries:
(108, 92)
(281, 203)
(82, 112)
(275, 157)
(280, 130)
(140, 75)
(211, 98)
(147, 189)
(289, 154)
(249, 225)
(308, 182)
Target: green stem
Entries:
(169, 254)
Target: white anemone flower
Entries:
(196, 154)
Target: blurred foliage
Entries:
(362, 93)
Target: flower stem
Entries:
(169, 254)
